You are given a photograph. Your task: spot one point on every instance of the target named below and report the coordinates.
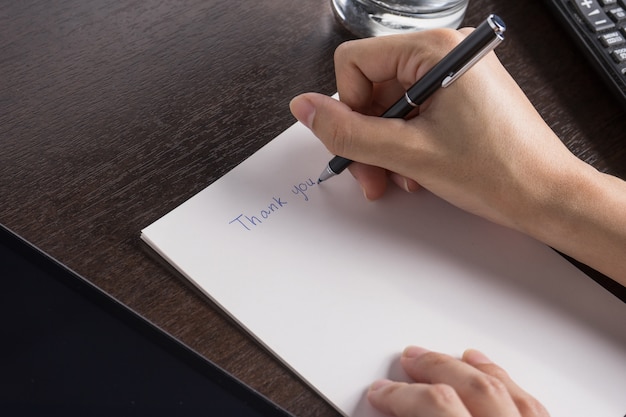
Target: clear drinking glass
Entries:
(367, 18)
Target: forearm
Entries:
(479, 144)
(583, 214)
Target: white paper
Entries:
(337, 286)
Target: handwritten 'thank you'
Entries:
(250, 220)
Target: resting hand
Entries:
(446, 387)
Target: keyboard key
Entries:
(600, 30)
(594, 15)
(619, 55)
(612, 39)
(617, 14)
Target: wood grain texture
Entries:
(112, 113)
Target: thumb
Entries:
(344, 132)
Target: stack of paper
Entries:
(337, 286)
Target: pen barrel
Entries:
(399, 110)
(338, 164)
(463, 53)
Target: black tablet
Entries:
(69, 349)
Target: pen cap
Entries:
(478, 43)
(491, 29)
(496, 24)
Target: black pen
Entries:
(478, 44)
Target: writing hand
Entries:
(479, 144)
(472, 386)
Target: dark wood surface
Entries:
(112, 113)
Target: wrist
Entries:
(559, 204)
(579, 211)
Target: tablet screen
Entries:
(68, 349)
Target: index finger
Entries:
(392, 62)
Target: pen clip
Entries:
(488, 48)
(498, 27)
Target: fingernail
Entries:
(303, 110)
(413, 352)
(380, 384)
(474, 357)
(412, 186)
(365, 194)
(404, 183)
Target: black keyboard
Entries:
(599, 29)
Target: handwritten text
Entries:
(303, 187)
(250, 221)
(253, 221)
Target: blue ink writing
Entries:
(303, 187)
(249, 222)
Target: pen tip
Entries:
(326, 174)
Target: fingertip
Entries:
(407, 184)
(367, 194)
(303, 109)
(373, 180)
(381, 383)
(378, 395)
(372, 193)
(475, 357)
(414, 352)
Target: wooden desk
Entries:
(115, 112)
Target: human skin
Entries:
(479, 144)
(443, 386)
(482, 146)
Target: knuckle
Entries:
(531, 407)
(444, 40)
(340, 51)
(488, 386)
(526, 404)
(451, 38)
(336, 140)
(495, 371)
(343, 51)
(339, 139)
(442, 396)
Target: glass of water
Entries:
(366, 18)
